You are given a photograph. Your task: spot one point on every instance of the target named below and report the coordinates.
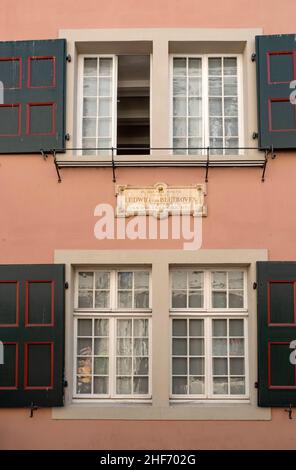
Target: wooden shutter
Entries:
(32, 116)
(32, 332)
(276, 331)
(276, 69)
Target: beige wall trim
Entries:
(161, 408)
(160, 43)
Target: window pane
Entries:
(101, 347)
(196, 366)
(141, 299)
(236, 299)
(179, 299)
(90, 87)
(179, 86)
(179, 107)
(237, 385)
(195, 299)
(215, 106)
(90, 107)
(101, 386)
(101, 327)
(219, 327)
(179, 327)
(84, 347)
(105, 67)
(124, 328)
(89, 127)
(124, 385)
(141, 385)
(84, 384)
(179, 366)
(125, 299)
(105, 87)
(230, 65)
(196, 347)
(102, 280)
(194, 67)
(179, 347)
(194, 127)
(179, 67)
(219, 347)
(124, 347)
(179, 385)
(237, 366)
(124, 366)
(220, 385)
(219, 300)
(101, 365)
(216, 128)
(215, 66)
(105, 109)
(219, 280)
(102, 299)
(140, 327)
(180, 127)
(179, 279)
(231, 127)
(84, 328)
(196, 385)
(125, 280)
(90, 67)
(236, 347)
(236, 280)
(85, 280)
(194, 87)
(236, 327)
(140, 366)
(194, 107)
(215, 86)
(220, 367)
(141, 279)
(230, 86)
(141, 347)
(85, 299)
(196, 327)
(230, 107)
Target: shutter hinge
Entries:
(65, 383)
(253, 57)
(67, 137)
(254, 285)
(66, 285)
(255, 135)
(256, 385)
(69, 58)
(32, 409)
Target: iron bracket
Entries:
(113, 166)
(290, 411)
(268, 152)
(207, 164)
(32, 409)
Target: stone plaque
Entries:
(160, 200)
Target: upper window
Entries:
(114, 104)
(206, 104)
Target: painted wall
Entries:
(38, 215)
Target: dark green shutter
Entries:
(276, 69)
(32, 116)
(276, 331)
(32, 331)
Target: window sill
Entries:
(253, 159)
(138, 412)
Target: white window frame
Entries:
(112, 314)
(205, 99)
(208, 314)
(80, 97)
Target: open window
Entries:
(114, 104)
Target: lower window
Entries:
(112, 357)
(209, 358)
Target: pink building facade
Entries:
(150, 345)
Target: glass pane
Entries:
(141, 366)
(105, 87)
(194, 67)
(216, 145)
(179, 87)
(196, 299)
(220, 385)
(237, 385)
(216, 128)
(102, 299)
(85, 299)
(219, 327)
(230, 65)
(196, 366)
(179, 144)
(219, 347)
(180, 127)
(232, 144)
(179, 347)
(90, 107)
(141, 299)
(124, 328)
(179, 107)
(101, 365)
(180, 366)
(194, 107)
(101, 347)
(84, 328)
(104, 144)
(230, 107)
(195, 145)
(219, 300)
(230, 86)
(89, 144)
(237, 366)
(195, 280)
(105, 67)
(194, 127)
(105, 107)
(194, 87)
(141, 385)
(236, 327)
(236, 299)
(141, 279)
(219, 280)
(124, 385)
(125, 280)
(84, 347)
(141, 328)
(89, 127)
(90, 87)
(196, 327)
(101, 327)
(231, 127)
(196, 347)
(215, 66)
(104, 127)
(124, 347)
(84, 384)
(215, 86)
(101, 385)
(179, 327)
(220, 367)
(236, 279)
(215, 106)
(179, 67)
(179, 385)
(179, 279)
(141, 347)
(85, 280)
(179, 299)
(102, 280)
(236, 347)
(90, 67)
(124, 366)
(125, 299)
(196, 385)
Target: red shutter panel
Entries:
(276, 69)
(32, 332)
(32, 116)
